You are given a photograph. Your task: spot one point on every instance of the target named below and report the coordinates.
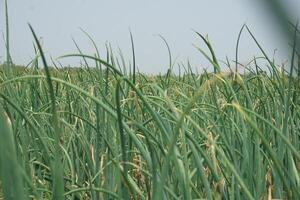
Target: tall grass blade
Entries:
(58, 184)
(10, 170)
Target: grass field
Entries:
(100, 133)
(105, 131)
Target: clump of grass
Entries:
(99, 132)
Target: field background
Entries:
(105, 131)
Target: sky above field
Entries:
(57, 22)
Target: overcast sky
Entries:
(58, 21)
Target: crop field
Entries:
(102, 133)
(106, 131)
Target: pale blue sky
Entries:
(57, 22)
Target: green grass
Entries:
(105, 131)
(193, 136)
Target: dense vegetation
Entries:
(103, 133)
